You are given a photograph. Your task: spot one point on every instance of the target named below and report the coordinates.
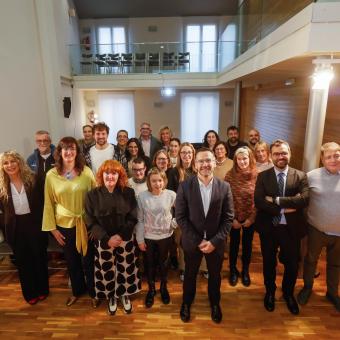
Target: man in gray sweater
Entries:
(323, 217)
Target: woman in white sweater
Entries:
(154, 230)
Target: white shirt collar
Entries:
(205, 186)
(277, 171)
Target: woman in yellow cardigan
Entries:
(65, 190)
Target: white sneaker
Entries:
(127, 305)
(112, 305)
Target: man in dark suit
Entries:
(149, 143)
(204, 212)
(281, 194)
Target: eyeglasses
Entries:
(42, 141)
(278, 154)
(138, 170)
(132, 147)
(202, 161)
(184, 153)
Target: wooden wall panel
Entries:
(277, 111)
(280, 111)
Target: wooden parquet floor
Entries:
(243, 313)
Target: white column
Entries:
(237, 99)
(316, 117)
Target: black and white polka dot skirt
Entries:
(116, 271)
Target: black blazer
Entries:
(35, 198)
(108, 213)
(296, 197)
(190, 214)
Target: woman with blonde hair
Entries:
(111, 215)
(21, 204)
(165, 134)
(262, 156)
(242, 178)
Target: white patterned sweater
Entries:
(154, 215)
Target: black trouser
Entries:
(77, 265)
(192, 263)
(88, 265)
(289, 243)
(157, 254)
(247, 246)
(30, 251)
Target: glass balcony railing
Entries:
(255, 20)
(151, 57)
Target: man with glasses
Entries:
(138, 180)
(281, 194)
(204, 212)
(42, 160)
(149, 143)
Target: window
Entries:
(111, 40)
(199, 113)
(201, 43)
(228, 45)
(118, 112)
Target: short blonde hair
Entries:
(156, 171)
(331, 146)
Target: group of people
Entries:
(106, 204)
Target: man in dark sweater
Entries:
(233, 141)
(42, 160)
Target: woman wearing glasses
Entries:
(134, 150)
(65, 190)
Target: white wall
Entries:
(23, 94)
(167, 113)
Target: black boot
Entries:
(233, 276)
(164, 293)
(245, 277)
(149, 299)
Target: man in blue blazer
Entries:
(204, 212)
(281, 194)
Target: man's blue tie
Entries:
(281, 183)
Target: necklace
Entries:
(221, 162)
(69, 174)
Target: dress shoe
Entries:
(291, 304)
(149, 299)
(95, 302)
(127, 305)
(165, 297)
(216, 313)
(233, 277)
(42, 297)
(185, 312)
(71, 300)
(205, 274)
(303, 296)
(112, 306)
(174, 262)
(245, 278)
(335, 300)
(269, 302)
(33, 301)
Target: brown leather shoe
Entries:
(71, 300)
